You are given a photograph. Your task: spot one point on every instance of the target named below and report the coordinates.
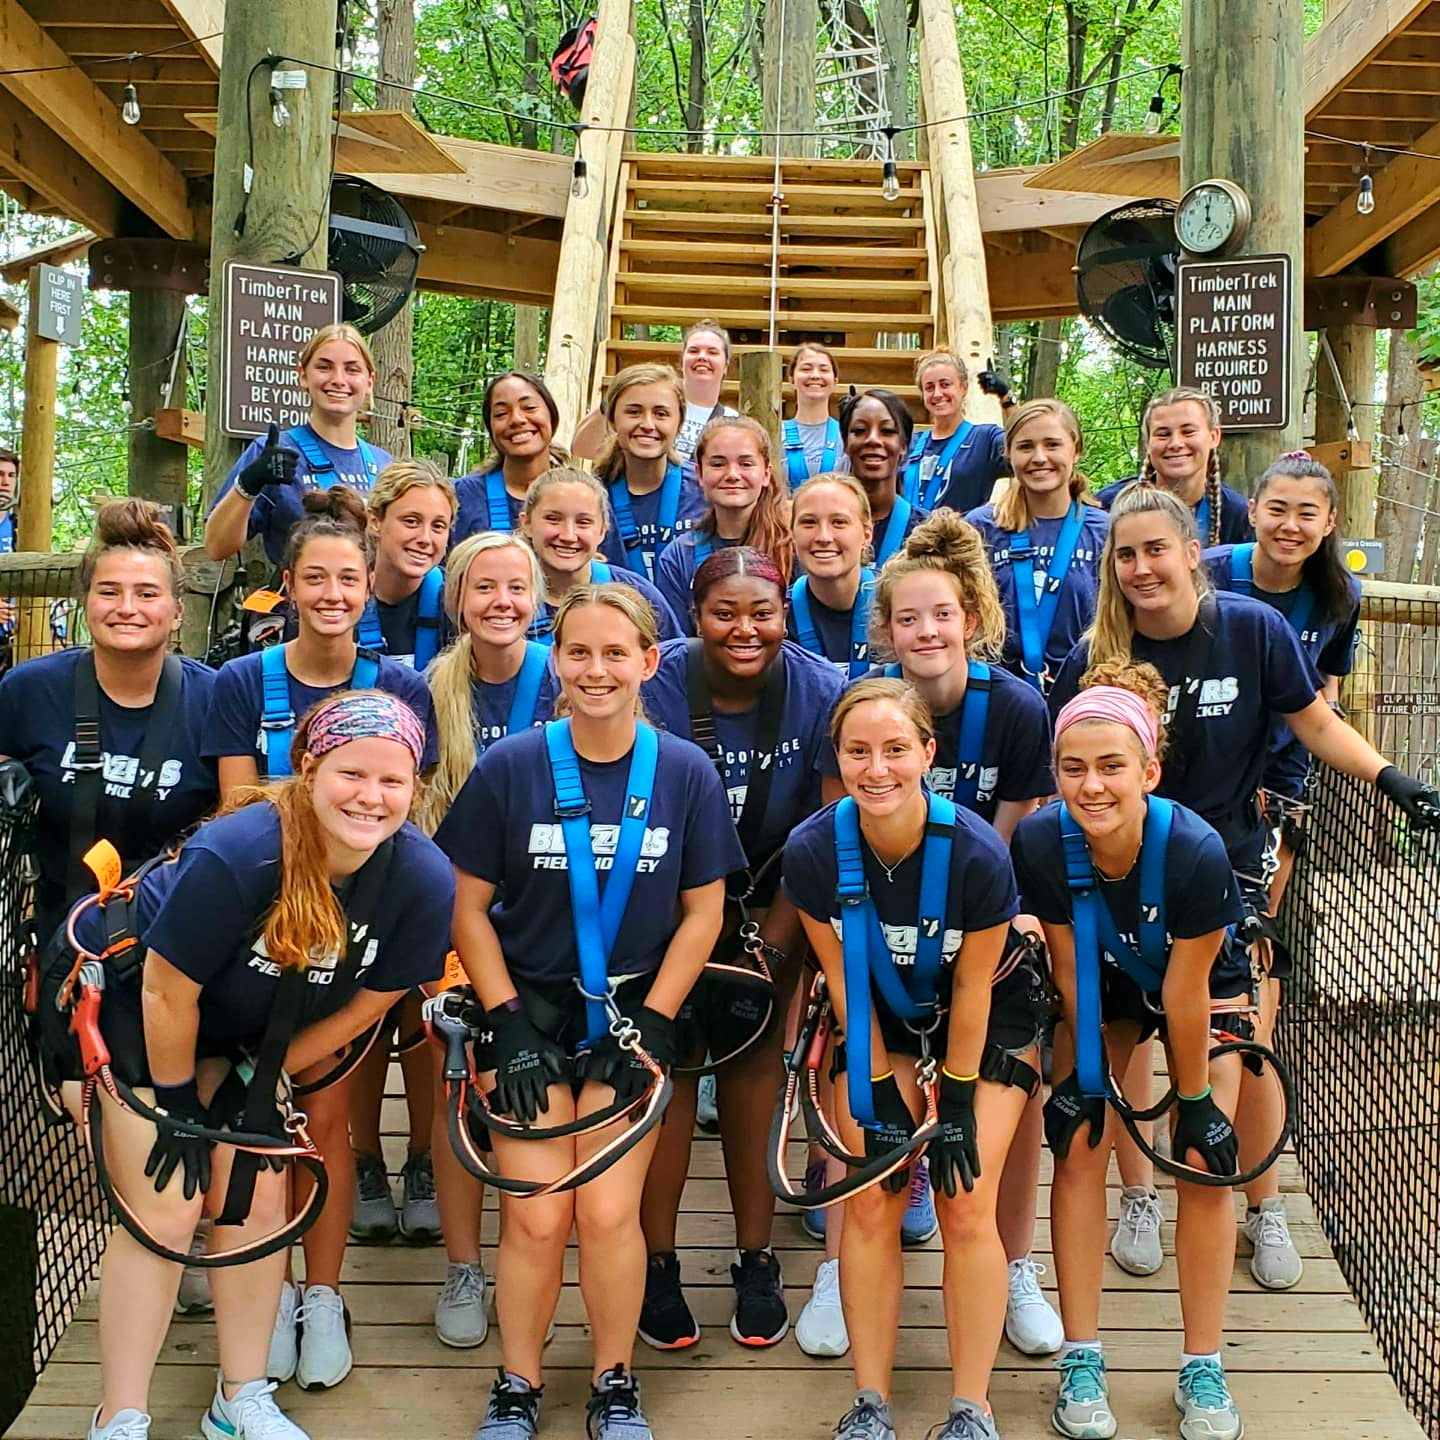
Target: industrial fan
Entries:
(375, 248)
(1125, 279)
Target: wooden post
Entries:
(760, 376)
(157, 466)
(289, 199)
(1243, 119)
(965, 288)
(35, 528)
(788, 82)
(1354, 349)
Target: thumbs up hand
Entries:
(274, 465)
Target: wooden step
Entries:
(790, 322)
(851, 360)
(832, 257)
(865, 228)
(755, 197)
(798, 287)
(680, 165)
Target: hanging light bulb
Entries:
(130, 110)
(1365, 197)
(579, 178)
(279, 110)
(1155, 115)
(890, 183)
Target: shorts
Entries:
(557, 1010)
(722, 1014)
(1122, 999)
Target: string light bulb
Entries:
(579, 178)
(130, 110)
(1155, 115)
(889, 171)
(1365, 196)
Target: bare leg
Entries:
(324, 1242)
(1261, 1110)
(415, 1070)
(367, 1093)
(1139, 1080)
(1020, 1181)
(665, 1184)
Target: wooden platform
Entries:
(1301, 1364)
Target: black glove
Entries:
(274, 465)
(994, 384)
(955, 1152)
(173, 1149)
(610, 1064)
(897, 1125)
(1067, 1110)
(1204, 1127)
(527, 1064)
(16, 789)
(1419, 801)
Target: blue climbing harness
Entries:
(1037, 617)
(796, 465)
(427, 621)
(637, 556)
(527, 687)
(1242, 581)
(277, 717)
(974, 713)
(896, 524)
(497, 503)
(321, 467)
(924, 495)
(809, 637)
(542, 627)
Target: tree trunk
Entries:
(695, 81)
(893, 17)
(526, 354)
(1403, 476)
(789, 80)
(1044, 373)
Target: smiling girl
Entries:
(812, 440)
(830, 602)
(953, 462)
(520, 416)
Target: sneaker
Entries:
(285, 1337)
(967, 1421)
(813, 1221)
(324, 1339)
(1082, 1409)
(419, 1214)
(193, 1297)
(820, 1330)
(868, 1418)
(1031, 1324)
(919, 1222)
(251, 1414)
(1275, 1263)
(613, 1411)
(1203, 1399)
(665, 1319)
(460, 1320)
(1135, 1245)
(514, 1409)
(124, 1425)
(373, 1219)
(707, 1113)
(760, 1314)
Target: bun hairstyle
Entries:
(610, 462)
(628, 602)
(883, 687)
(768, 529)
(941, 355)
(1187, 395)
(735, 560)
(132, 524)
(1324, 571)
(1139, 678)
(558, 455)
(401, 476)
(1012, 512)
(335, 514)
(899, 413)
(951, 546)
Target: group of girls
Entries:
(825, 694)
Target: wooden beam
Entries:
(1009, 201)
(760, 392)
(1351, 37)
(39, 158)
(57, 252)
(201, 17)
(1416, 247)
(34, 529)
(497, 177)
(74, 107)
(481, 263)
(9, 315)
(185, 426)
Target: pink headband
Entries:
(1109, 702)
(364, 715)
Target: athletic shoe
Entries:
(1031, 1324)
(1082, 1409)
(919, 1222)
(813, 1221)
(760, 1315)
(373, 1219)
(285, 1337)
(324, 1339)
(124, 1425)
(460, 1320)
(419, 1215)
(1203, 1399)
(820, 1330)
(868, 1418)
(1135, 1245)
(707, 1114)
(665, 1319)
(251, 1414)
(1275, 1263)
(193, 1297)
(967, 1421)
(613, 1411)
(513, 1412)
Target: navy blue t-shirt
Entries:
(1235, 526)
(646, 510)
(205, 913)
(882, 529)
(619, 575)
(503, 828)
(1076, 609)
(833, 628)
(472, 506)
(279, 507)
(1256, 671)
(675, 575)
(239, 706)
(37, 727)
(811, 689)
(978, 463)
(1329, 643)
(1201, 894)
(490, 706)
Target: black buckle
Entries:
(571, 812)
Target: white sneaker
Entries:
(325, 1358)
(1031, 1324)
(460, 1319)
(821, 1330)
(251, 1414)
(193, 1297)
(124, 1425)
(1275, 1263)
(285, 1338)
(1135, 1245)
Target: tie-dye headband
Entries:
(364, 715)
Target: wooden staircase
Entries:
(693, 239)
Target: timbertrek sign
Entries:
(271, 311)
(1234, 322)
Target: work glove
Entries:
(993, 383)
(1067, 1110)
(955, 1152)
(173, 1149)
(527, 1064)
(897, 1125)
(1205, 1128)
(1419, 801)
(611, 1064)
(16, 789)
(274, 465)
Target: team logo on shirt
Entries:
(900, 940)
(122, 773)
(1217, 697)
(547, 845)
(784, 755)
(321, 968)
(941, 780)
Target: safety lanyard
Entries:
(598, 918)
(542, 628)
(896, 524)
(497, 502)
(867, 956)
(320, 464)
(87, 763)
(637, 556)
(796, 465)
(1037, 617)
(1242, 581)
(527, 687)
(1095, 927)
(277, 719)
(859, 661)
(924, 495)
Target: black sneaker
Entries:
(613, 1410)
(665, 1319)
(513, 1412)
(760, 1314)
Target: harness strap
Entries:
(1037, 617)
(637, 556)
(974, 715)
(527, 687)
(277, 717)
(809, 637)
(796, 465)
(913, 490)
(427, 617)
(1242, 581)
(319, 464)
(368, 632)
(497, 502)
(896, 523)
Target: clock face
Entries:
(1207, 219)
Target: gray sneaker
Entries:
(419, 1215)
(1082, 1409)
(1275, 1263)
(868, 1418)
(968, 1421)
(460, 1311)
(1135, 1245)
(513, 1412)
(373, 1219)
(613, 1411)
(193, 1296)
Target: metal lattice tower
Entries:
(850, 98)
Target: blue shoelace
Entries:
(1082, 1376)
(1204, 1382)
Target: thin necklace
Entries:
(891, 869)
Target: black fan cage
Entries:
(1125, 278)
(375, 248)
